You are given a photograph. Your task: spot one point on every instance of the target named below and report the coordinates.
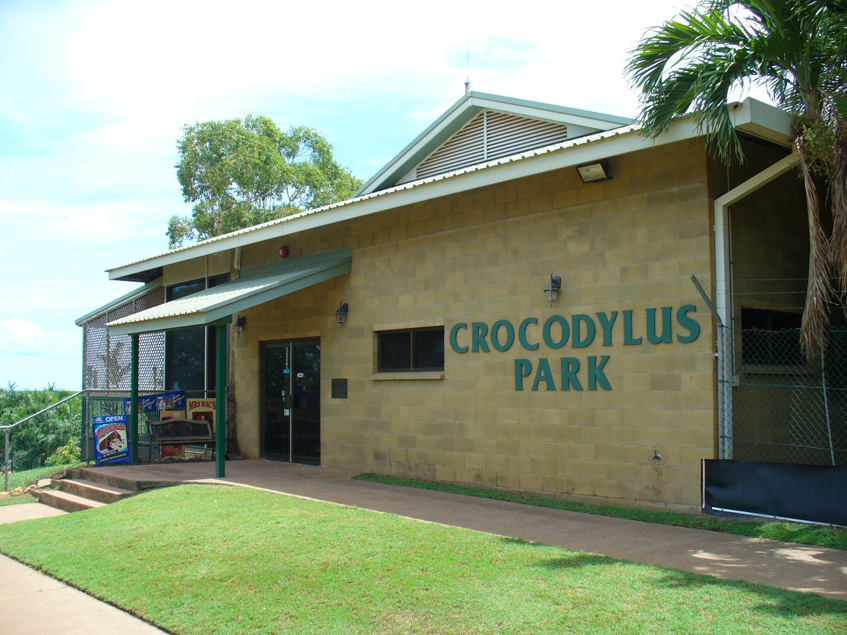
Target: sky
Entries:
(94, 94)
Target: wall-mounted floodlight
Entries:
(593, 172)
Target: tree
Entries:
(51, 438)
(240, 173)
(798, 49)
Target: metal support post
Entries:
(220, 395)
(6, 466)
(133, 402)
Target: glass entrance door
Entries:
(291, 401)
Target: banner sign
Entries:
(162, 401)
(111, 440)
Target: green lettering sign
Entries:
(544, 374)
(454, 342)
(628, 339)
(606, 324)
(596, 374)
(479, 332)
(570, 367)
(495, 337)
(523, 367)
(522, 334)
(667, 334)
(566, 331)
(590, 330)
(687, 323)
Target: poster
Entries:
(202, 410)
(111, 440)
(172, 450)
(163, 401)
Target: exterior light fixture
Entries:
(551, 291)
(341, 313)
(593, 172)
(239, 324)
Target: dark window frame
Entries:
(209, 362)
(384, 339)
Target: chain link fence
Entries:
(777, 406)
(106, 358)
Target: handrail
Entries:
(7, 467)
(41, 412)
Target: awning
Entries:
(256, 286)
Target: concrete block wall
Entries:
(628, 244)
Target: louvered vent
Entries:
(491, 135)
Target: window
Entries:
(411, 350)
(190, 359)
(771, 338)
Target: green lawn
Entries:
(816, 536)
(212, 559)
(24, 478)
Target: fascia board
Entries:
(132, 295)
(163, 324)
(584, 150)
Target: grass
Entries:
(24, 479)
(222, 560)
(830, 537)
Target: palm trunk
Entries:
(815, 325)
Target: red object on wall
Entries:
(283, 252)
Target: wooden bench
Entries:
(170, 432)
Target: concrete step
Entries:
(65, 500)
(95, 491)
(104, 476)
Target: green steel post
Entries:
(133, 402)
(220, 395)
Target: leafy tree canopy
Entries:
(240, 173)
(798, 49)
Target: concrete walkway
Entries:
(34, 603)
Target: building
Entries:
(453, 364)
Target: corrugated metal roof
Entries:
(211, 305)
(557, 147)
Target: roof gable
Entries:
(480, 127)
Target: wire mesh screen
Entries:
(781, 407)
(107, 358)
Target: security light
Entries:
(551, 291)
(593, 172)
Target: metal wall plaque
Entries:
(339, 389)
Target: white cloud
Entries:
(17, 331)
